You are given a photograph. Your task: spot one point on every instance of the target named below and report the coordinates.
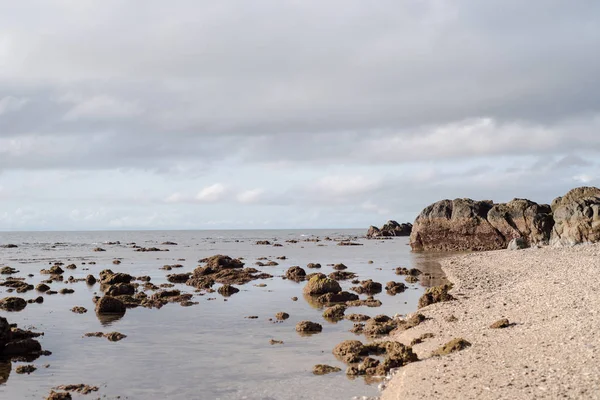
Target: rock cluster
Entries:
(391, 228)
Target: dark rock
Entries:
(179, 278)
(90, 280)
(295, 274)
(12, 304)
(281, 316)
(339, 267)
(393, 288)
(25, 369)
(333, 298)
(391, 228)
(368, 287)
(42, 287)
(313, 265)
(79, 310)
(227, 290)
(110, 305)
(342, 275)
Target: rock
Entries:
(12, 304)
(79, 310)
(348, 243)
(313, 265)
(322, 369)
(393, 288)
(8, 271)
(397, 355)
(9, 246)
(339, 267)
(120, 289)
(517, 244)
(107, 277)
(110, 305)
(361, 303)
(502, 323)
(73, 266)
(350, 351)
(227, 290)
(391, 228)
(220, 261)
(435, 294)
(42, 287)
(421, 338)
(295, 274)
(368, 287)
(465, 224)
(66, 291)
(308, 327)
(294, 298)
(114, 336)
(22, 348)
(273, 342)
(59, 396)
(318, 285)
(179, 278)
(25, 369)
(379, 326)
(281, 316)
(168, 244)
(99, 249)
(5, 333)
(335, 313)
(54, 270)
(340, 297)
(263, 242)
(342, 275)
(90, 280)
(79, 388)
(576, 217)
(452, 346)
(411, 279)
(406, 271)
(17, 284)
(357, 317)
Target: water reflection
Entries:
(109, 319)
(429, 265)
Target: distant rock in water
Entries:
(576, 217)
(391, 228)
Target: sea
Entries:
(209, 350)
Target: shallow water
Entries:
(207, 351)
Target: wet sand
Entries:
(552, 296)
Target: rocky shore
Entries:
(525, 323)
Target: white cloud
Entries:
(370, 206)
(250, 196)
(99, 107)
(584, 178)
(175, 198)
(212, 194)
(339, 186)
(11, 104)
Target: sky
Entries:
(236, 114)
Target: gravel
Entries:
(551, 296)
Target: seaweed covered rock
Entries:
(452, 346)
(319, 285)
(435, 294)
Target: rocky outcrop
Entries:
(576, 217)
(465, 224)
(391, 228)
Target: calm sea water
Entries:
(207, 351)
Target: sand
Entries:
(553, 350)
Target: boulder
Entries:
(227, 290)
(318, 285)
(576, 217)
(110, 305)
(466, 224)
(295, 274)
(308, 327)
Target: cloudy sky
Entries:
(193, 114)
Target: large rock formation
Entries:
(576, 217)
(465, 224)
(391, 228)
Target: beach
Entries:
(551, 349)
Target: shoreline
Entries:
(551, 297)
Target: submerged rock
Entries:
(322, 369)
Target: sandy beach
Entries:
(552, 350)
